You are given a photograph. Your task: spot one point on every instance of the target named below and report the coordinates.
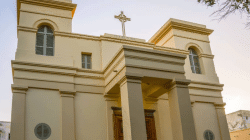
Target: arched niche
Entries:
(194, 46)
(47, 22)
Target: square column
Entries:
(134, 127)
(222, 121)
(68, 115)
(18, 112)
(181, 111)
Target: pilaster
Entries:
(134, 127)
(68, 115)
(181, 111)
(222, 121)
(18, 112)
(110, 101)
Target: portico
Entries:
(140, 75)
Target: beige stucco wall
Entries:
(43, 106)
(205, 118)
(90, 114)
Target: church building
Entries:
(69, 86)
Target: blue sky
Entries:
(229, 42)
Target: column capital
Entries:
(19, 89)
(66, 93)
(112, 97)
(131, 77)
(182, 83)
(219, 106)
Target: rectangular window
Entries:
(86, 61)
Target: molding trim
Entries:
(220, 106)
(154, 60)
(195, 46)
(202, 88)
(26, 29)
(207, 56)
(126, 41)
(131, 78)
(51, 3)
(191, 94)
(216, 105)
(158, 69)
(65, 93)
(171, 24)
(126, 47)
(192, 38)
(172, 50)
(205, 83)
(39, 13)
(19, 89)
(50, 23)
(180, 83)
(54, 66)
(75, 35)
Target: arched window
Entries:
(194, 61)
(45, 41)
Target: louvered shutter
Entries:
(49, 45)
(39, 43)
(88, 62)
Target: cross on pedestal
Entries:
(123, 19)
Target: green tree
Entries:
(228, 7)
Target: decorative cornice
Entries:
(131, 77)
(174, 24)
(172, 50)
(220, 106)
(51, 3)
(182, 83)
(19, 89)
(47, 3)
(111, 97)
(65, 93)
(157, 52)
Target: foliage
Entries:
(228, 7)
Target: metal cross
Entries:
(123, 19)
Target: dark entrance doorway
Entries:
(118, 127)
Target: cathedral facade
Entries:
(69, 86)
